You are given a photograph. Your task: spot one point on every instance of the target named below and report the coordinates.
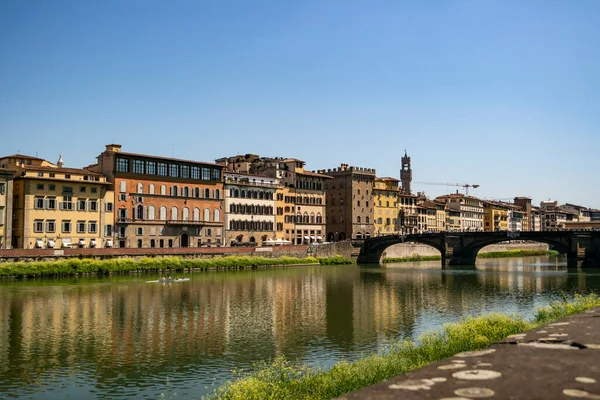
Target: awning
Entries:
(66, 242)
(109, 243)
(319, 238)
(39, 243)
(93, 243)
(51, 243)
(312, 237)
(306, 237)
(82, 242)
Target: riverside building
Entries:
(249, 209)
(470, 209)
(350, 207)
(386, 211)
(58, 207)
(163, 202)
(300, 203)
(6, 209)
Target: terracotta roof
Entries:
(58, 169)
(165, 158)
(309, 173)
(23, 156)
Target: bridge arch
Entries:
(461, 248)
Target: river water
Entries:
(121, 337)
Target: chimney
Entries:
(116, 148)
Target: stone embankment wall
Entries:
(321, 250)
(403, 250)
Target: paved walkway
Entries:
(560, 360)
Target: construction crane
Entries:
(466, 186)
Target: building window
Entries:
(206, 174)
(174, 170)
(94, 190)
(109, 207)
(80, 226)
(92, 227)
(122, 164)
(196, 173)
(50, 226)
(161, 243)
(108, 230)
(208, 232)
(206, 214)
(185, 171)
(66, 227)
(138, 166)
(151, 167)
(162, 169)
(216, 174)
(81, 204)
(66, 204)
(39, 186)
(51, 187)
(139, 231)
(152, 243)
(358, 219)
(93, 205)
(39, 203)
(38, 226)
(123, 186)
(51, 203)
(170, 242)
(82, 189)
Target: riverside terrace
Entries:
(581, 247)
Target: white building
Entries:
(249, 209)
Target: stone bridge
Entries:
(460, 248)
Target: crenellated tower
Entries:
(406, 174)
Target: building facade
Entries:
(6, 208)
(495, 216)
(407, 209)
(300, 200)
(386, 211)
(470, 208)
(58, 207)
(249, 209)
(163, 202)
(350, 207)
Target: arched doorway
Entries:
(330, 237)
(185, 240)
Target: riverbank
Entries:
(495, 254)
(77, 267)
(282, 380)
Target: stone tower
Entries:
(406, 174)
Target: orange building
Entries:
(163, 202)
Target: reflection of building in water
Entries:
(119, 328)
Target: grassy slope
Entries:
(75, 266)
(282, 380)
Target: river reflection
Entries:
(125, 338)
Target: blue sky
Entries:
(504, 94)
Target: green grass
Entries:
(335, 260)
(518, 253)
(281, 379)
(415, 258)
(76, 266)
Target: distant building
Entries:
(300, 200)
(6, 208)
(249, 209)
(350, 202)
(525, 204)
(470, 209)
(163, 202)
(409, 218)
(386, 218)
(56, 207)
(495, 216)
(406, 174)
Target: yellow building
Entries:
(6, 200)
(495, 216)
(57, 207)
(386, 210)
